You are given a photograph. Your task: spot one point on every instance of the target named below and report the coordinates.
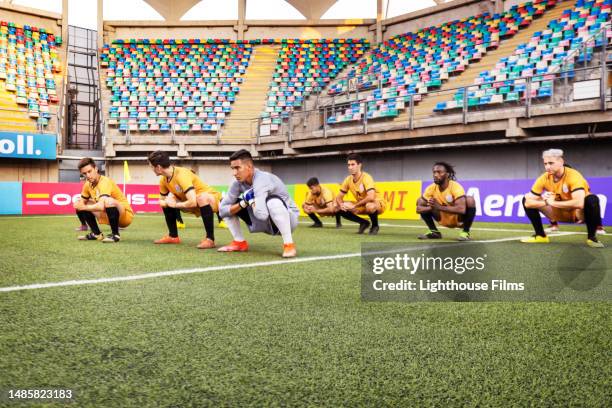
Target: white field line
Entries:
(424, 227)
(230, 267)
(26, 217)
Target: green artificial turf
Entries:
(291, 334)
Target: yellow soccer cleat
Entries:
(536, 239)
(180, 225)
(222, 224)
(595, 244)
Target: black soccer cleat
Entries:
(363, 226)
(338, 225)
(374, 230)
(431, 235)
(111, 238)
(316, 225)
(91, 237)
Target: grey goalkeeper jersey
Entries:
(264, 185)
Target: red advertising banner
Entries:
(57, 198)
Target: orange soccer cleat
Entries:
(168, 240)
(289, 250)
(235, 246)
(206, 243)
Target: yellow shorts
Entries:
(125, 219)
(565, 215)
(382, 206)
(215, 205)
(450, 220)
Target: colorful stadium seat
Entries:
(412, 64)
(180, 85)
(28, 64)
(547, 53)
(304, 67)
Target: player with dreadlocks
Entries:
(445, 202)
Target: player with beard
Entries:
(445, 201)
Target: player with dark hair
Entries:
(182, 189)
(101, 200)
(261, 200)
(445, 201)
(369, 200)
(320, 201)
(562, 194)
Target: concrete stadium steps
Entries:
(492, 57)
(11, 119)
(251, 100)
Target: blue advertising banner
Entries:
(10, 197)
(501, 200)
(27, 145)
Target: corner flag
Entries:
(126, 172)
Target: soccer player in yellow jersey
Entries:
(101, 200)
(182, 189)
(369, 200)
(320, 201)
(562, 194)
(445, 202)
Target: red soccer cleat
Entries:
(235, 246)
(168, 240)
(289, 250)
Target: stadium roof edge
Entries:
(29, 10)
(253, 23)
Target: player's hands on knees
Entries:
(347, 206)
(433, 203)
(78, 205)
(170, 201)
(248, 198)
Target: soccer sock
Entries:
(338, 219)
(374, 219)
(90, 219)
(280, 217)
(468, 219)
(208, 219)
(592, 216)
(536, 219)
(233, 224)
(170, 215)
(81, 217)
(179, 217)
(314, 217)
(113, 219)
(352, 217)
(429, 220)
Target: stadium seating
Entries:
(413, 64)
(28, 62)
(540, 59)
(183, 85)
(304, 67)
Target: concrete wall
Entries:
(252, 33)
(421, 19)
(519, 161)
(35, 171)
(169, 32)
(213, 173)
(49, 23)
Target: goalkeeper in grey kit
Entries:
(261, 200)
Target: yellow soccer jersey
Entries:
(104, 187)
(360, 188)
(446, 197)
(320, 201)
(571, 181)
(181, 182)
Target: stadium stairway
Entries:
(12, 116)
(251, 99)
(426, 106)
